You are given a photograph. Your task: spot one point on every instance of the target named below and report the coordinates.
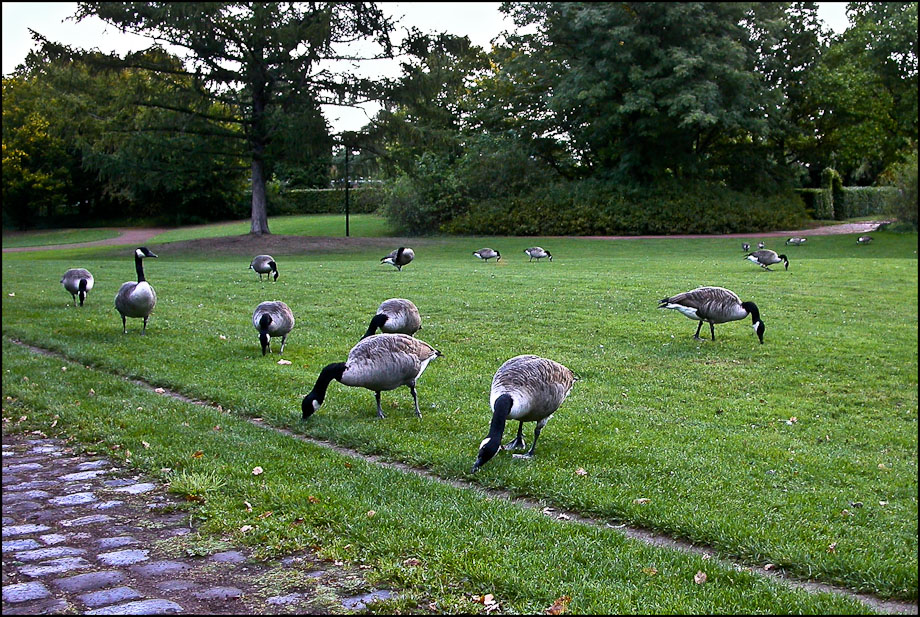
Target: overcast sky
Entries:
(481, 21)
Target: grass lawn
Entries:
(359, 226)
(801, 452)
(58, 236)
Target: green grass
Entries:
(309, 496)
(58, 236)
(359, 226)
(702, 430)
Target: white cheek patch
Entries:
(139, 253)
(316, 405)
(484, 442)
(756, 325)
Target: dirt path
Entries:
(140, 236)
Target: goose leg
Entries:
(415, 399)
(283, 338)
(518, 443)
(712, 330)
(698, 328)
(124, 324)
(536, 434)
(379, 408)
(74, 296)
(144, 331)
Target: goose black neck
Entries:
(264, 321)
(500, 411)
(377, 322)
(139, 266)
(330, 372)
(752, 309)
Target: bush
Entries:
(589, 208)
(427, 200)
(903, 177)
(868, 200)
(833, 186)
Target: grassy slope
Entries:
(702, 430)
(60, 236)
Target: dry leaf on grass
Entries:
(248, 506)
(145, 444)
(371, 513)
(559, 605)
(832, 548)
(160, 390)
(411, 562)
(699, 578)
(198, 454)
(651, 570)
(312, 499)
(642, 501)
(245, 528)
(256, 471)
(579, 472)
(284, 361)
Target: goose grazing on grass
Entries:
(78, 281)
(486, 254)
(760, 245)
(714, 305)
(264, 264)
(527, 389)
(538, 253)
(765, 258)
(746, 247)
(796, 241)
(399, 258)
(272, 318)
(136, 299)
(859, 240)
(379, 362)
(395, 316)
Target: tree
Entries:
(252, 59)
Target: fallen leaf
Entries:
(63, 368)
(198, 454)
(145, 444)
(559, 605)
(265, 514)
(411, 562)
(642, 501)
(223, 338)
(699, 578)
(312, 499)
(160, 390)
(769, 567)
(846, 512)
(579, 472)
(651, 570)
(563, 517)
(282, 361)
(832, 548)
(248, 506)
(12, 295)
(296, 522)
(216, 427)
(883, 503)
(488, 599)
(127, 453)
(792, 420)
(882, 466)
(256, 471)
(92, 392)
(245, 528)
(371, 513)
(547, 511)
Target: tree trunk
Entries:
(259, 206)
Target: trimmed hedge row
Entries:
(323, 201)
(853, 201)
(568, 210)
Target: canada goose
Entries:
(487, 254)
(136, 299)
(760, 245)
(264, 264)
(272, 318)
(395, 315)
(796, 241)
(527, 389)
(746, 247)
(378, 362)
(766, 257)
(714, 305)
(399, 258)
(859, 240)
(538, 253)
(77, 281)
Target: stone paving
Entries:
(83, 536)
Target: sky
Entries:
(481, 21)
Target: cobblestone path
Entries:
(83, 536)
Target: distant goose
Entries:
(859, 240)
(760, 245)
(538, 253)
(136, 299)
(746, 247)
(766, 257)
(264, 264)
(395, 316)
(77, 281)
(714, 305)
(399, 258)
(527, 389)
(487, 254)
(796, 241)
(272, 318)
(379, 362)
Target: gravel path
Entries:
(139, 236)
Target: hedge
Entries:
(323, 201)
(867, 201)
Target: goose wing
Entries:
(537, 385)
(282, 317)
(387, 361)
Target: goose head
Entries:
(143, 252)
(314, 400)
(785, 261)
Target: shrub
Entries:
(833, 186)
(903, 177)
(868, 200)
